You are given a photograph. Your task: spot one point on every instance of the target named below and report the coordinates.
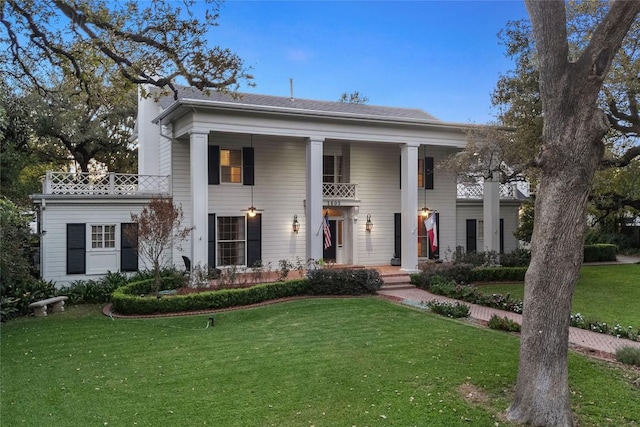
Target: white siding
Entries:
(376, 170)
(473, 210)
(180, 182)
(279, 190)
(54, 221)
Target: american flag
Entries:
(327, 231)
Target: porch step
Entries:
(395, 287)
(394, 281)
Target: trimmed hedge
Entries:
(139, 298)
(498, 274)
(127, 299)
(600, 252)
(344, 282)
(463, 274)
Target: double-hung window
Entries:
(103, 236)
(331, 169)
(231, 240)
(231, 166)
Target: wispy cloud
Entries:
(298, 55)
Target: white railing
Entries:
(475, 191)
(105, 184)
(339, 190)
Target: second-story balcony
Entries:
(507, 191)
(339, 191)
(117, 184)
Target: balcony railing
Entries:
(105, 184)
(339, 190)
(475, 191)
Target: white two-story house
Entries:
(369, 171)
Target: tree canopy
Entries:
(517, 97)
(160, 43)
(354, 97)
(512, 146)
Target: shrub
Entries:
(93, 291)
(498, 274)
(127, 299)
(628, 355)
(600, 252)
(16, 298)
(503, 324)
(458, 272)
(516, 258)
(344, 282)
(474, 258)
(628, 332)
(453, 310)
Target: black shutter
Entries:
(471, 235)
(247, 166)
(397, 234)
(254, 239)
(501, 235)
(213, 164)
(428, 173)
(128, 244)
(211, 253)
(76, 248)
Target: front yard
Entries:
(322, 362)
(607, 293)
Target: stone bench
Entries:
(40, 307)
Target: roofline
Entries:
(252, 108)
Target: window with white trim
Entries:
(103, 236)
(420, 173)
(231, 166)
(331, 169)
(231, 240)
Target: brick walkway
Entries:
(587, 340)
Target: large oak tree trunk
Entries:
(572, 149)
(542, 395)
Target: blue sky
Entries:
(441, 56)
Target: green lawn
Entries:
(607, 293)
(321, 362)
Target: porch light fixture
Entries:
(296, 225)
(368, 225)
(425, 211)
(252, 211)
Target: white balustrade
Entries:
(104, 184)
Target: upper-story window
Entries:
(420, 173)
(231, 166)
(331, 169)
(103, 236)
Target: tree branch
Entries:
(622, 161)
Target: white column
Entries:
(315, 235)
(409, 201)
(354, 234)
(491, 215)
(199, 198)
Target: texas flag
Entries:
(432, 232)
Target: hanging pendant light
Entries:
(252, 211)
(425, 211)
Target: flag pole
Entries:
(321, 224)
